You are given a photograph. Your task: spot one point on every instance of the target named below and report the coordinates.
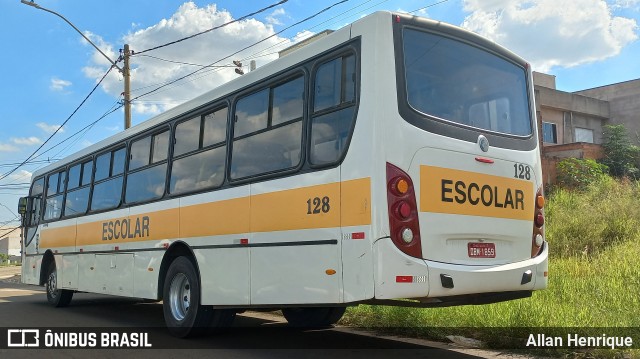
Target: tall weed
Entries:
(582, 223)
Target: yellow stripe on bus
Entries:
(323, 206)
(444, 190)
(58, 237)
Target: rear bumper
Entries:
(432, 280)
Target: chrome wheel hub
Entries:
(180, 296)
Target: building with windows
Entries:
(571, 123)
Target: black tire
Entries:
(56, 297)
(184, 314)
(318, 317)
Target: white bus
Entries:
(395, 161)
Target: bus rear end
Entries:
(464, 189)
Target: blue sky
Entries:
(48, 69)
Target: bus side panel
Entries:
(295, 246)
(87, 274)
(107, 276)
(146, 266)
(68, 271)
(225, 275)
(365, 159)
(31, 269)
(214, 224)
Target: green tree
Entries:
(619, 153)
(3, 258)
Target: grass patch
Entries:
(594, 280)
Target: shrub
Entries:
(620, 154)
(577, 173)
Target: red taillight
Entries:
(403, 212)
(538, 223)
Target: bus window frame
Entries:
(444, 127)
(80, 162)
(111, 150)
(351, 48)
(35, 198)
(151, 133)
(268, 84)
(201, 113)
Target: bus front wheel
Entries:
(313, 317)
(56, 297)
(184, 314)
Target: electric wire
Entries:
(213, 28)
(243, 49)
(58, 129)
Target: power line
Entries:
(244, 48)
(260, 53)
(213, 28)
(428, 6)
(33, 162)
(184, 63)
(58, 129)
(8, 233)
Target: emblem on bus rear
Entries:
(483, 143)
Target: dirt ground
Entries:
(10, 274)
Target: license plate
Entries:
(481, 250)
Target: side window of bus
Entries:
(147, 172)
(268, 130)
(199, 153)
(54, 195)
(78, 187)
(107, 187)
(333, 109)
(36, 191)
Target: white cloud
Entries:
(552, 33)
(303, 35)
(21, 175)
(8, 148)
(27, 141)
(147, 73)
(49, 128)
(58, 84)
(273, 17)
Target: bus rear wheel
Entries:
(184, 314)
(316, 317)
(56, 297)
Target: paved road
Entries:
(255, 335)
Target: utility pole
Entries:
(127, 87)
(124, 71)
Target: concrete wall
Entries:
(10, 246)
(568, 111)
(624, 104)
(544, 80)
(554, 154)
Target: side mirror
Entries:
(23, 205)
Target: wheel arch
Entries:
(177, 249)
(47, 259)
